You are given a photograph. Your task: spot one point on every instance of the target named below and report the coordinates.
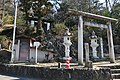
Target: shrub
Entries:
(5, 56)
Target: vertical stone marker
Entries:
(80, 40)
(0, 47)
(101, 47)
(88, 63)
(86, 52)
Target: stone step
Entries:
(115, 67)
(116, 76)
(112, 66)
(108, 65)
(115, 71)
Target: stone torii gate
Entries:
(82, 23)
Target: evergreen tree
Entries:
(35, 9)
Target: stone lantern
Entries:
(94, 44)
(67, 43)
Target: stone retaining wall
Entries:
(56, 74)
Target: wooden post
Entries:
(80, 40)
(86, 52)
(110, 43)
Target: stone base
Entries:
(95, 57)
(64, 58)
(89, 64)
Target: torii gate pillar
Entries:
(110, 43)
(80, 40)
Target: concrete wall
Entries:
(56, 74)
(41, 55)
(16, 52)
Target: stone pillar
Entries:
(110, 43)
(80, 40)
(101, 48)
(18, 50)
(0, 47)
(36, 53)
(67, 51)
(86, 52)
(94, 52)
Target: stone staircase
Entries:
(115, 68)
(115, 71)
